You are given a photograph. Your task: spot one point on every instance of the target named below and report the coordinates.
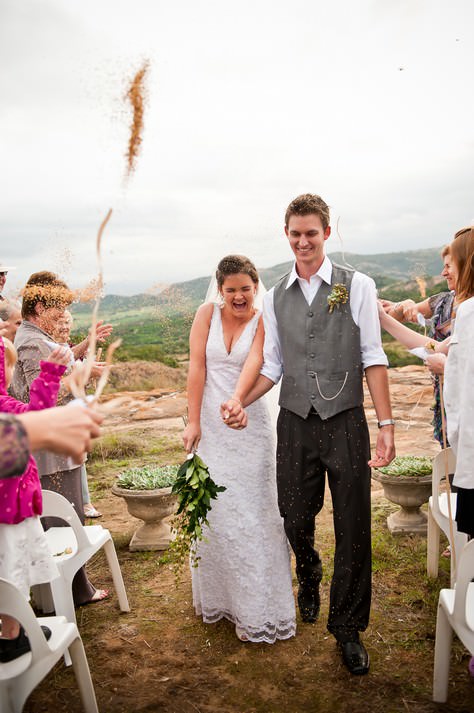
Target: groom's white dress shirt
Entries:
(363, 304)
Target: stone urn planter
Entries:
(406, 482)
(154, 505)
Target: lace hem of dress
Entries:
(268, 633)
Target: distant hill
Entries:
(182, 297)
(399, 266)
(156, 325)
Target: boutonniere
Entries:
(339, 296)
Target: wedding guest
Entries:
(61, 334)
(4, 270)
(244, 564)
(10, 318)
(321, 335)
(25, 559)
(459, 382)
(45, 299)
(439, 310)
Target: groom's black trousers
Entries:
(308, 448)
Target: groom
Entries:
(322, 333)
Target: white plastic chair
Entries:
(83, 541)
(438, 517)
(455, 613)
(19, 677)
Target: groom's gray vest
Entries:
(320, 349)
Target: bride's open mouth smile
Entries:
(239, 306)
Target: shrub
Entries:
(115, 446)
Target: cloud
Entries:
(248, 105)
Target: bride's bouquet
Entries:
(195, 489)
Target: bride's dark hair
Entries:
(234, 265)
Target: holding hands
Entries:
(233, 414)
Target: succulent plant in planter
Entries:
(406, 481)
(149, 477)
(147, 494)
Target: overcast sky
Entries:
(368, 103)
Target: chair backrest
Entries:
(14, 603)
(443, 461)
(56, 505)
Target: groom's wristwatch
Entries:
(386, 422)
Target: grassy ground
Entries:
(160, 657)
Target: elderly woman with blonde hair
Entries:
(45, 299)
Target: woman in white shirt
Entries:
(459, 380)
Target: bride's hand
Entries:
(191, 436)
(233, 414)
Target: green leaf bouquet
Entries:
(195, 489)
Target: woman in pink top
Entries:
(24, 556)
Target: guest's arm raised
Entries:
(406, 336)
(407, 310)
(102, 331)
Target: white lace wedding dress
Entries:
(243, 573)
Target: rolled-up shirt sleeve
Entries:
(365, 314)
(272, 361)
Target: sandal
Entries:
(91, 511)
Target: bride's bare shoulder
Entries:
(204, 313)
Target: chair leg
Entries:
(442, 656)
(460, 539)
(63, 600)
(6, 703)
(83, 676)
(432, 557)
(114, 565)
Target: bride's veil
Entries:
(213, 295)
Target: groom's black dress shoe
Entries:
(355, 657)
(308, 603)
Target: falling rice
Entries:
(136, 96)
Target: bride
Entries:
(243, 571)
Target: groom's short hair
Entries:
(306, 204)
